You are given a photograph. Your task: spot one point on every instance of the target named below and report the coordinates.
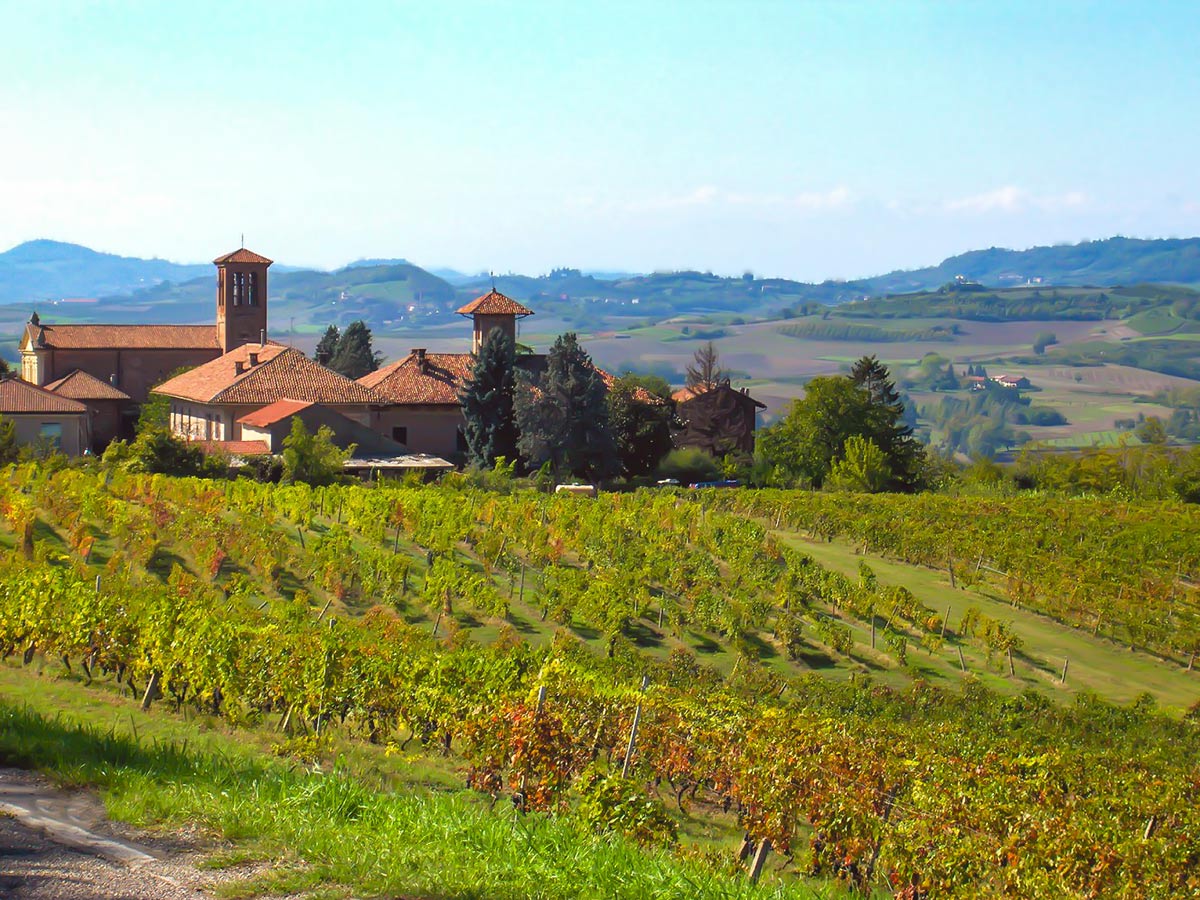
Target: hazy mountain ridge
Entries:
(393, 292)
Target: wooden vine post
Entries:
(637, 718)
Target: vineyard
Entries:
(525, 635)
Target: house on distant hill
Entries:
(717, 418)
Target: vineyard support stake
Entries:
(637, 718)
(1066, 665)
(961, 662)
(760, 857)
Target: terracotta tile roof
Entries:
(121, 337)
(444, 374)
(685, 394)
(279, 372)
(437, 381)
(273, 412)
(236, 448)
(494, 303)
(17, 396)
(242, 256)
(79, 385)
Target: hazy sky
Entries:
(807, 140)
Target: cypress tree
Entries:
(327, 346)
(487, 400)
(354, 356)
(563, 415)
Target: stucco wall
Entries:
(28, 429)
(430, 429)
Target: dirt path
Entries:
(58, 844)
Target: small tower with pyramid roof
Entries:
(494, 310)
(241, 298)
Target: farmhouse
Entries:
(717, 418)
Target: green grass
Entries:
(1096, 663)
(334, 832)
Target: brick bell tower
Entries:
(241, 298)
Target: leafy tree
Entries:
(563, 415)
(327, 346)
(354, 356)
(655, 384)
(705, 370)
(863, 467)
(641, 427)
(487, 400)
(1042, 340)
(805, 444)
(312, 458)
(1152, 431)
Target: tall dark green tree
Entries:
(563, 415)
(354, 356)
(327, 346)
(641, 425)
(488, 403)
(886, 424)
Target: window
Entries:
(252, 289)
(51, 432)
(400, 434)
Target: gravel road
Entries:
(57, 844)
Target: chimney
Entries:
(262, 337)
(253, 359)
(422, 363)
(238, 367)
(112, 379)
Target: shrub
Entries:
(689, 466)
(610, 803)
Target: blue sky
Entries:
(807, 140)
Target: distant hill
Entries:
(393, 293)
(1117, 260)
(40, 270)
(384, 295)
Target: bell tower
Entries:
(494, 310)
(241, 298)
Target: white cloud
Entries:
(837, 198)
(1012, 199)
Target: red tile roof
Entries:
(79, 385)
(683, 395)
(408, 381)
(274, 412)
(121, 337)
(17, 396)
(494, 303)
(280, 372)
(444, 374)
(236, 448)
(241, 256)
